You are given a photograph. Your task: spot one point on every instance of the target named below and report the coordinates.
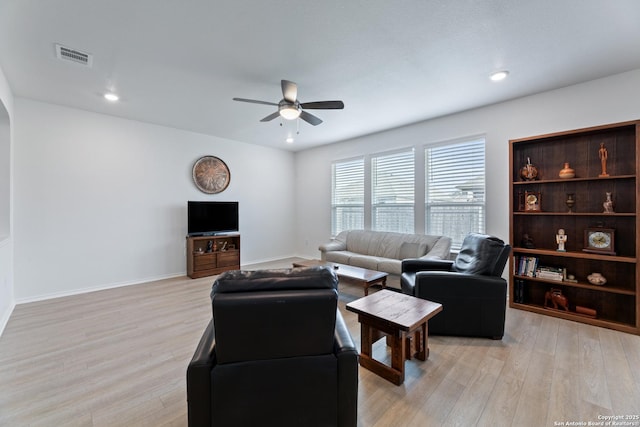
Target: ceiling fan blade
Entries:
(289, 90)
(271, 117)
(253, 101)
(323, 105)
(310, 118)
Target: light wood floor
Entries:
(118, 358)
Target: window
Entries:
(392, 192)
(455, 190)
(347, 198)
(442, 193)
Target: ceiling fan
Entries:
(290, 108)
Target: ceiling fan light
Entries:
(499, 75)
(290, 112)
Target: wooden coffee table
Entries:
(363, 276)
(403, 320)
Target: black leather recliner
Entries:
(276, 353)
(471, 290)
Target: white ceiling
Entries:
(179, 63)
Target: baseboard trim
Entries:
(53, 295)
(6, 316)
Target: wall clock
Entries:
(211, 175)
(599, 240)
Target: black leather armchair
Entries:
(471, 290)
(276, 353)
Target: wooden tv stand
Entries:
(223, 255)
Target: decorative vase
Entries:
(567, 172)
(596, 279)
(570, 202)
(528, 171)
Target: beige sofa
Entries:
(383, 251)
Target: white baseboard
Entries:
(52, 295)
(96, 288)
(5, 317)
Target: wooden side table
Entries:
(403, 319)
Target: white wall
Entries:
(7, 301)
(101, 201)
(607, 100)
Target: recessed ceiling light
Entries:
(110, 96)
(499, 75)
(289, 140)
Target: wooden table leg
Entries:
(398, 354)
(367, 285)
(366, 339)
(421, 342)
(393, 373)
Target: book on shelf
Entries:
(525, 265)
(532, 263)
(551, 273)
(518, 291)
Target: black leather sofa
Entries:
(276, 353)
(471, 290)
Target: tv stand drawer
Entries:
(228, 259)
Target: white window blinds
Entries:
(347, 198)
(392, 191)
(455, 189)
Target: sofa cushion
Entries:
(393, 266)
(412, 250)
(364, 261)
(341, 257)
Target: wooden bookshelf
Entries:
(616, 302)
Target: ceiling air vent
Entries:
(73, 55)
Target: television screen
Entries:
(208, 218)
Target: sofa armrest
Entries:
(412, 265)
(334, 245)
(199, 379)
(347, 355)
(459, 285)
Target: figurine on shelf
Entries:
(608, 204)
(561, 238)
(527, 242)
(555, 297)
(603, 155)
(209, 246)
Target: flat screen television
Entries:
(210, 218)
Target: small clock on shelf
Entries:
(530, 201)
(598, 240)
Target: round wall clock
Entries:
(211, 175)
